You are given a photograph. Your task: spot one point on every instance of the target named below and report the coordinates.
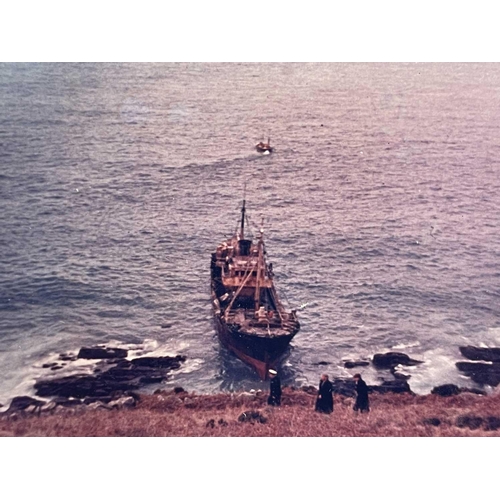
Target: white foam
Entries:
(152, 348)
(149, 347)
(190, 365)
(406, 346)
(491, 338)
(404, 370)
(438, 369)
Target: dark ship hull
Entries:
(259, 353)
(250, 320)
(264, 147)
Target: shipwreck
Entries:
(249, 317)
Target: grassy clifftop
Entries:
(185, 414)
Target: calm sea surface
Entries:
(380, 204)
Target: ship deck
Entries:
(269, 327)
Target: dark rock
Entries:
(210, 423)
(252, 417)
(323, 363)
(67, 357)
(124, 376)
(399, 376)
(222, 422)
(346, 387)
(105, 391)
(146, 370)
(49, 365)
(61, 401)
(78, 386)
(354, 364)
(164, 362)
(119, 363)
(102, 352)
(452, 390)
(151, 380)
(481, 373)
(392, 359)
(53, 368)
(20, 403)
(102, 399)
(105, 364)
(492, 423)
(177, 390)
(128, 371)
(396, 386)
(481, 353)
(132, 394)
(470, 421)
(81, 386)
(446, 390)
(166, 325)
(431, 421)
(121, 374)
(135, 371)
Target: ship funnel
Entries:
(244, 247)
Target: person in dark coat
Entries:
(361, 403)
(274, 398)
(324, 401)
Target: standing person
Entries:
(274, 398)
(361, 403)
(324, 401)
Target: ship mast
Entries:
(242, 229)
(260, 245)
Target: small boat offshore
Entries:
(264, 147)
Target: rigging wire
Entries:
(282, 292)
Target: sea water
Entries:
(379, 205)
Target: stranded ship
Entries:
(249, 317)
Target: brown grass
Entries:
(169, 414)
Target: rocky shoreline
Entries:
(116, 380)
(113, 383)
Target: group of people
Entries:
(324, 400)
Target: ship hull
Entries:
(260, 353)
(249, 317)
